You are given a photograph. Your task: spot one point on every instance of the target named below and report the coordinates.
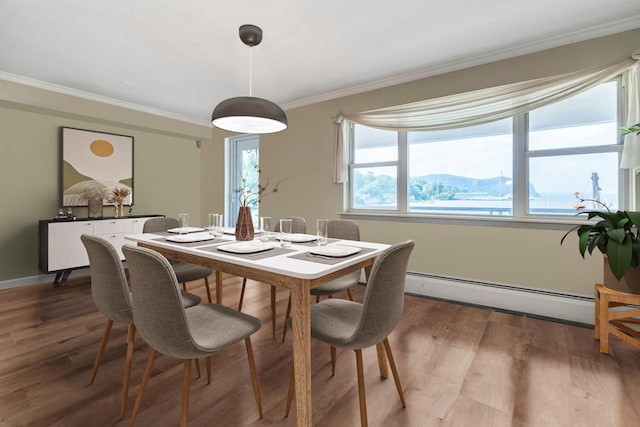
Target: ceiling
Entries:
(179, 59)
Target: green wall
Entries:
(166, 178)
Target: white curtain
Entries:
(631, 151)
(340, 155)
(479, 106)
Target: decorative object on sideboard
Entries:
(118, 195)
(95, 199)
(249, 114)
(94, 162)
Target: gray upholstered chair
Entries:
(336, 229)
(171, 330)
(298, 225)
(351, 325)
(185, 272)
(110, 292)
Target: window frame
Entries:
(520, 173)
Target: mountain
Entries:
(461, 186)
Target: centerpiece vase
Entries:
(244, 225)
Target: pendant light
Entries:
(248, 114)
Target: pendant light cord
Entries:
(250, 71)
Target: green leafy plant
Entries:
(614, 235)
(635, 128)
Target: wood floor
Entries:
(460, 366)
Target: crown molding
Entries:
(627, 24)
(63, 90)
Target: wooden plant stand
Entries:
(617, 322)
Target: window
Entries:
(528, 165)
(244, 159)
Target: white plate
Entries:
(229, 230)
(335, 250)
(190, 238)
(188, 229)
(249, 247)
(300, 237)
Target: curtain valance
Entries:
(488, 105)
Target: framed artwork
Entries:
(93, 165)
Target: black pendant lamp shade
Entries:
(248, 114)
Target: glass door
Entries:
(244, 159)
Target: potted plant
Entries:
(248, 198)
(616, 235)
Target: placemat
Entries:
(255, 256)
(315, 242)
(307, 256)
(192, 244)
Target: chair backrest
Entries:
(158, 224)
(109, 287)
(298, 225)
(159, 315)
(383, 302)
(343, 229)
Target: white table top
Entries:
(281, 264)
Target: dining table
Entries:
(299, 267)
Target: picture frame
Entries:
(93, 164)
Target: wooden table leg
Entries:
(218, 287)
(301, 319)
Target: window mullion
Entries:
(520, 166)
(403, 172)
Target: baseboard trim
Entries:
(36, 280)
(554, 305)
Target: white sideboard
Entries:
(61, 249)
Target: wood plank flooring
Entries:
(460, 366)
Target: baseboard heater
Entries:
(578, 309)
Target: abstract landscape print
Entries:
(93, 164)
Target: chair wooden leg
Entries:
(318, 298)
(208, 366)
(382, 361)
(292, 388)
(197, 362)
(254, 375)
(333, 360)
(349, 294)
(361, 393)
(394, 371)
(206, 284)
(273, 310)
(244, 285)
(103, 344)
(143, 385)
(185, 393)
(286, 316)
(184, 286)
(131, 333)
